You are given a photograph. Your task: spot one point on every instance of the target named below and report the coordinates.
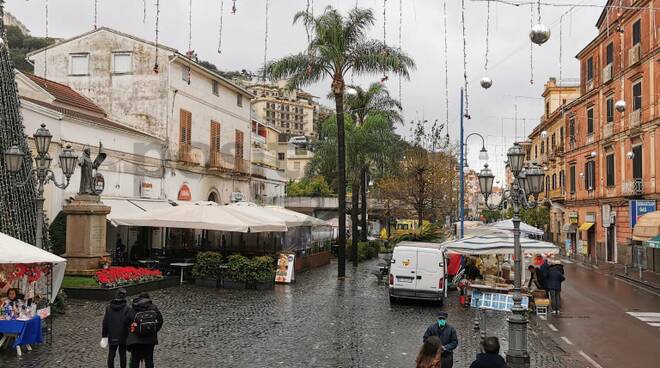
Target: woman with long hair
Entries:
(429, 354)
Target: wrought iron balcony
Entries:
(221, 161)
(608, 130)
(633, 187)
(635, 118)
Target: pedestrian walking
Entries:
(144, 321)
(491, 357)
(429, 355)
(555, 278)
(114, 331)
(448, 338)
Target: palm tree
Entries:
(339, 45)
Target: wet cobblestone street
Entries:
(316, 322)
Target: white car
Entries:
(417, 271)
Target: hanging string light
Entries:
(444, 12)
(531, 47)
(540, 33)
(222, 7)
(385, 77)
(263, 77)
(400, 44)
(465, 76)
(190, 52)
(144, 11)
(95, 13)
(620, 105)
(309, 30)
(46, 49)
(486, 82)
(156, 67)
(233, 7)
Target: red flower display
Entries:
(119, 276)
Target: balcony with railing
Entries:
(241, 165)
(186, 154)
(633, 187)
(221, 161)
(608, 130)
(268, 173)
(635, 118)
(264, 157)
(556, 194)
(590, 138)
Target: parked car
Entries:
(417, 271)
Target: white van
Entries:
(417, 271)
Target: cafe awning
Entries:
(586, 226)
(647, 226)
(126, 207)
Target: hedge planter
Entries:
(109, 293)
(232, 284)
(206, 282)
(264, 285)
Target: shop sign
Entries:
(573, 217)
(606, 211)
(639, 207)
(146, 189)
(590, 217)
(285, 268)
(184, 193)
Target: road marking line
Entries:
(588, 358)
(649, 319)
(552, 327)
(566, 340)
(644, 314)
(655, 324)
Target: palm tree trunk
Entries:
(341, 180)
(363, 193)
(355, 208)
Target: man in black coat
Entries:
(447, 335)
(141, 344)
(114, 329)
(490, 358)
(543, 274)
(553, 284)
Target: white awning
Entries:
(497, 242)
(151, 204)
(125, 207)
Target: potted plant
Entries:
(207, 271)
(261, 273)
(236, 272)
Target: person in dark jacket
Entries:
(114, 329)
(554, 280)
(490, 358)
(139, 344)
(448, 337)
(543, 274)
(533, 278)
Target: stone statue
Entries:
(87, 167)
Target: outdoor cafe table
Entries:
(26, 332)
(182, 265)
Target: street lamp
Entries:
(527, 181)
(14, 157)
(483, 156)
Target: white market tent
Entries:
(14, 251)
(497, 242)
(203, 216)
(525, 229)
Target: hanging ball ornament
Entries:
(486, 82)
(539, 34)
(620, 106)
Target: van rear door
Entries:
(404, 268)
(430, 272)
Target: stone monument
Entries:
(86, 221)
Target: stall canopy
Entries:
(14, 251)
(203, 216)
(508, 225)
(497, 242)
(647, 226)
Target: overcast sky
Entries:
(423, 95)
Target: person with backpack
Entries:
(555, 278)
(143, 321)
(114, 332)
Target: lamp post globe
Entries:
(42, 138)
(43, 162)
(14, 159)
(483, 154)
(68, 161)
(522, 181)
(534, 178)
(516, 157)
(486, 179)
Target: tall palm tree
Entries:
(339, 45)
(361, 103)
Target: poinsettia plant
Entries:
(122, 276)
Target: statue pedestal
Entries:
(85, 234)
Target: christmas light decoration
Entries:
(486, 82)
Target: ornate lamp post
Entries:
(526, 181)
(483, 156)
(42, 172)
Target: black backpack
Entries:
(146, 323)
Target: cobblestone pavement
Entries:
(316, 322)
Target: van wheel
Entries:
(392, 300)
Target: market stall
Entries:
(487, 275)
(29, 281)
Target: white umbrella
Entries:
(497, 242)
(508, 225)
(293, 218)
(14, 251)
(203, 216)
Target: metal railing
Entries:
(219, 160)
(607, 73)
(590, 138)
(185, 153)
(264, 157)
(633, 187)
(635, 118)
(241, 165)
(608, 130)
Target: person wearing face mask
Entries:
(447, 335)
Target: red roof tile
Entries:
(66, 95)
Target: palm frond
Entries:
(375, 57)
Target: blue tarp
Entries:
(28, 332)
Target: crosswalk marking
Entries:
(650, 318)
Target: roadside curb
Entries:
(643, 284)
